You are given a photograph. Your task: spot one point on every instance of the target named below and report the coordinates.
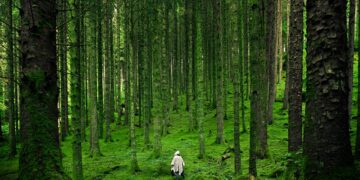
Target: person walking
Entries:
(177, 165)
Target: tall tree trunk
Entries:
(149, 58)
(219, 68)
(166, 70)
(237, 75)
(357, 144)
(62, 16)
(40, 155)
(10, 74)
(194, 64)
(109, 115)
(295, 75)
(271, 50)
(100, 97)
(76, 92)
(246, 48)
(245, 36)
(1, 102)
(259, 93)
(351, 36)
(286, 91)
(119, 62)
(326, 134)
(93, 61)
(83, 72)
(188, 12)
(176, 58)
(224, 53)
(127, 61)
(157, 81)
(279, 50)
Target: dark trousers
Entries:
(177, 175)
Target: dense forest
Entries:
(244, 89)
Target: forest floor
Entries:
(115, 162)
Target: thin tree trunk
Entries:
(286, 91)
(219, 68)
(76, 93)
(93, 111)
(246, 49)
(83, 73)
(351, 36)
(10, 74)
(236, 77)
(107, 103)
(100, 97)
(63, 63)
(147, 96)
(272, 44)
(279, 50)
(127, 61)
(157, 81)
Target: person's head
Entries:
(177, 153)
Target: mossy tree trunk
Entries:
(127, 60)
(147, 79)
(83, 72)
(259, 88)
(286, 91)
(326, 133)
(271, 50)
(175, 63)
(10, 75)
(93, 61)
(219, 68)
(76, 91)
(100, 95)
(157, 81)
(279, 40)
(40, 155)
(62, 18)
(237, 75)
(186, 75)
(109, 114)
(351, 38)
(357, 143)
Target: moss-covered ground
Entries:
(115, 162)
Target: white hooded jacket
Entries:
(177, 163)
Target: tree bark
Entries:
(94, 122)
(219, 68)
(109, 115)
(326, 134)
(351, 36)
(295, 75)
(62, 16)
(271, 48)
(238, 91)
(10, 74)
(40, 155)
(259, 92)
(100, 95)
(76, 92)
(357, 143)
